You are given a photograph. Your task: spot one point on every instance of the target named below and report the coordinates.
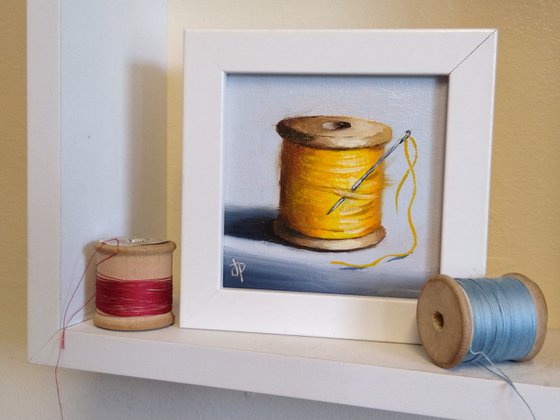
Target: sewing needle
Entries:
(405, 136)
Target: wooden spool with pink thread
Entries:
(134, 284)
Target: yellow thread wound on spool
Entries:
(313, 178)
(321, 159)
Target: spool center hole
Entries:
(438, 321)
(336, 125)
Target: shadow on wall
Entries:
(141, 161)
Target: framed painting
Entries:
(328, 174)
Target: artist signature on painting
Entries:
(237, 269)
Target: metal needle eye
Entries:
(391, 149)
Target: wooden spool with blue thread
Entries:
(445, 319)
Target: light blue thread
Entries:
(504, 319)
(504, 324)
(495, 370)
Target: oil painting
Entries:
(332, 184)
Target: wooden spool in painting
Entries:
(332, 139)
(445, 320)
(135, 260)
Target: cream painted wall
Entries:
(524, 228)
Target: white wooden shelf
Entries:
(96, 160)
(397, 377)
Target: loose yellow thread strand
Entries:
(410, 171)
(405, 177)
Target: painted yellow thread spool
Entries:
(321, 158)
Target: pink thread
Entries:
(125, 298)
(67, 320)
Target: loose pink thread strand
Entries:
(66, 321)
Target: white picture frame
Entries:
(466, 57)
